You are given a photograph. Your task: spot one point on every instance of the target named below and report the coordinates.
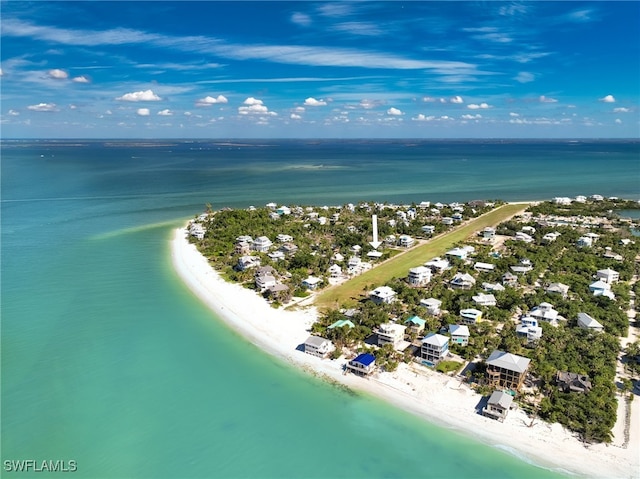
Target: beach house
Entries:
(391, 333)
(434, 349)
(460, 253)
(484, 267)
(573, 382)
(246, 262)
(545, 312)
(438, 265)
(317, 346)
(432, 305)
(415, 324)
(558, 288)
(498, 405)
(459, 334)
(312, 283)
(470, 315)
(587, 322)
(600, 288)
(489, 233)
(335, 271)
(428, 229)
(363, 364)
(406, 241)
(506, 370)
(462, 281)
(419, 276)
(382, 295)
(509, 279)
(261, 244)
(483, 299)
(608, 275)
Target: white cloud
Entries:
(301, 19)
(295, 117)
(43, 107)
(165, 112)
(481, 106)
(143, 112)
(146, 95)
(369, 104)
(394, 112)
(254, 106)
(621, 110)
(457, 99)
(546, 99)
(514, 115)
(525, 77)
(187, 113)
(608, 99)
(81, 79)
(618, 121)
(58, 74)
(14, 113)
(471, 117)
(1, 72)
(313, 102)
(209, 100)
(299, 109)
(422, 117)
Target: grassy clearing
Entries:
(398, 266)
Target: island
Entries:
(510, 322)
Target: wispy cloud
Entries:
(43, 107)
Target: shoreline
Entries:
(439, 399)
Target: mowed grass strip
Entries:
(398, 266)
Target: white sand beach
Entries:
(435, 397)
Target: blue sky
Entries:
(320, 69)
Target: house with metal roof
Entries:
(391, 333)
(587, 322)
(415, 324)
(363, 364)
(462, 281)
(432, 305)
(459, 334)
(470, 315)
(434, 349)
(498, 405)
(506, 370)
(317, 346)
(608, 275)
(382, 294)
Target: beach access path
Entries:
(435, 397)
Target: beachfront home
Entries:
(279, 292)
(415, 324)
(261, 244)
(506, 370)
(438, 265)
(462, 281)
(434, 349)
(341, 323)
(335, 271)
(311, 283)
(317, 346)
(558, 288)
(488, 233)
(573, 382)
(432, 305)
(587, 322)
(197, 230)
(484, 267)
(600, 288)
(470, 315)
(363, 364)
(391, 333)
(382, 295)
(608, 275)
(498, 405)
(482, 299)
(419, 276)
(265, 282)
(459, 334)
(242, 247)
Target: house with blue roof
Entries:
(363, 364)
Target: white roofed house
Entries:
(335, 271)
(391, 333)
(459, 334)
(438, 265)
(482, 299)
(550, 237)
(311, 282)
(382, 295)
(545, 312)
(492, 287)
(528, 328)
(197, 230)
(608, 275)
(489, 233)
(435, 347)
(470, 315)
(428, 229)
(460, 253)
(587, 322)
(462, 281)
(317, 346)
(432, 305)
(419, 276)
(558, 288)
(261, 244)
(282, 238)
(406, 241)
(600, 288)
(484, 267)
(521, 236)
(246, 262)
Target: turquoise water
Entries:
(109, 360)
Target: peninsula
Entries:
(513, 323)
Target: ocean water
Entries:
(110, 361)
